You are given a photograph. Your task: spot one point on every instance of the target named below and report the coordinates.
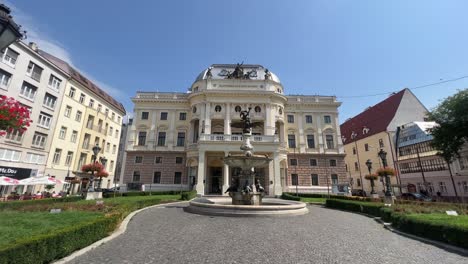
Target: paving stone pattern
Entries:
(170, 235)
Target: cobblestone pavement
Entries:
(170, 235)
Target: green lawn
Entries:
(15, 226)
(313, 200)
(443, 219)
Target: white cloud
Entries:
(54, 47)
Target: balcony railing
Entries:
(220, 137)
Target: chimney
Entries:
(33, 46)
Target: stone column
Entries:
(171, 132)
(200, 186)
(225, 177)
(320, 135)
(300, 120)
(267, 124)
(339, 141)
(277, 189)
(201, 122)
(227, 120)
(207, 118)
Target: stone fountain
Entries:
(246, 192)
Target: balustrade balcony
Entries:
(237, 138)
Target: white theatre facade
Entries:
(178, 140)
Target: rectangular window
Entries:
(9, 57)
(327, 119)
(330, 143)
(291, 119)
(356, 166)
(313, 162)
(161, 139)
(90, 122)
(99, 108)
(141, 138)
(68, 110)
(28, 91)
(163, 115)
(116, 133)
(35, 158)
(118, 119)
(5, 78)
(57, 154)
(106, 112)
(107, 147)
(9, 154)
(366, 147)
(44, 120)
(15, 136)
(292, 141)
(63, 132)
(381, 144)
(157, 177)
(74, 136)
(114, 149)
(111, 131)
(310, 141)
(39, 140)
(308, 119)
(111, 167)
(54, 82)
(91, 103)
(144, 115)
(293, 162)
(332, 163)
(49, 101)
(138, 159)
(69, 158)
(34, 71)
(354, 151)
(182, 116)
(78, 116)
(294, 179)
(314, 179)
(86, 141)
(334, 179)
(136, 176)
(180, 139)
(465, 187)
(179, 160)
(113, 116)
(158, 160)
(82, 98)
(178, 177)
(72, 92)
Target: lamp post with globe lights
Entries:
(9, 30)
(103, 161)
(96, 149)
(388, 194)
(369, 167)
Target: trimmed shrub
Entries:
(139, 193)
(287, 196)
(13, 205)
(355, 206)
(188, 195)
(341, 197)
(58, 244)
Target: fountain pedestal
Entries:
(239, 198)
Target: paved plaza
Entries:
(170, 235)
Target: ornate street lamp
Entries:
(103, 161)
(9, 30)
(369, 167)
(388, 195)
(96, 149)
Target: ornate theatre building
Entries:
(178, 140)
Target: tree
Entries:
(451, 131)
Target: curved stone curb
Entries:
(388, 226)
(120, 230)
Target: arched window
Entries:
(194, 109)
(237, 109)
(218, 108)
(258, 109)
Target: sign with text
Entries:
(15, 173)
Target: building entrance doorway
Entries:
(216, 182)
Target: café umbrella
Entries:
(8, 182)
(44, 180)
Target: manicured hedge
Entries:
(341, 197)
(12, 205)
(138, 193)
(188, 195)
(355, 206)
(287, 196)
(55, 245)
(451, 234)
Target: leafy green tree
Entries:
(451, 133)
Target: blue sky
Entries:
(342, 48)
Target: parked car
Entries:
(416, 197)
(358, 192)
(110, 190)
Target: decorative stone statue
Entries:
(259, 187)
(238, 72)
(267, 74)
(234, 186)
(209, 75)
(245, 117)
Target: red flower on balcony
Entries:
(386, 171)
(96, 167)
(13, 116)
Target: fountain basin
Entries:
(221, 206)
